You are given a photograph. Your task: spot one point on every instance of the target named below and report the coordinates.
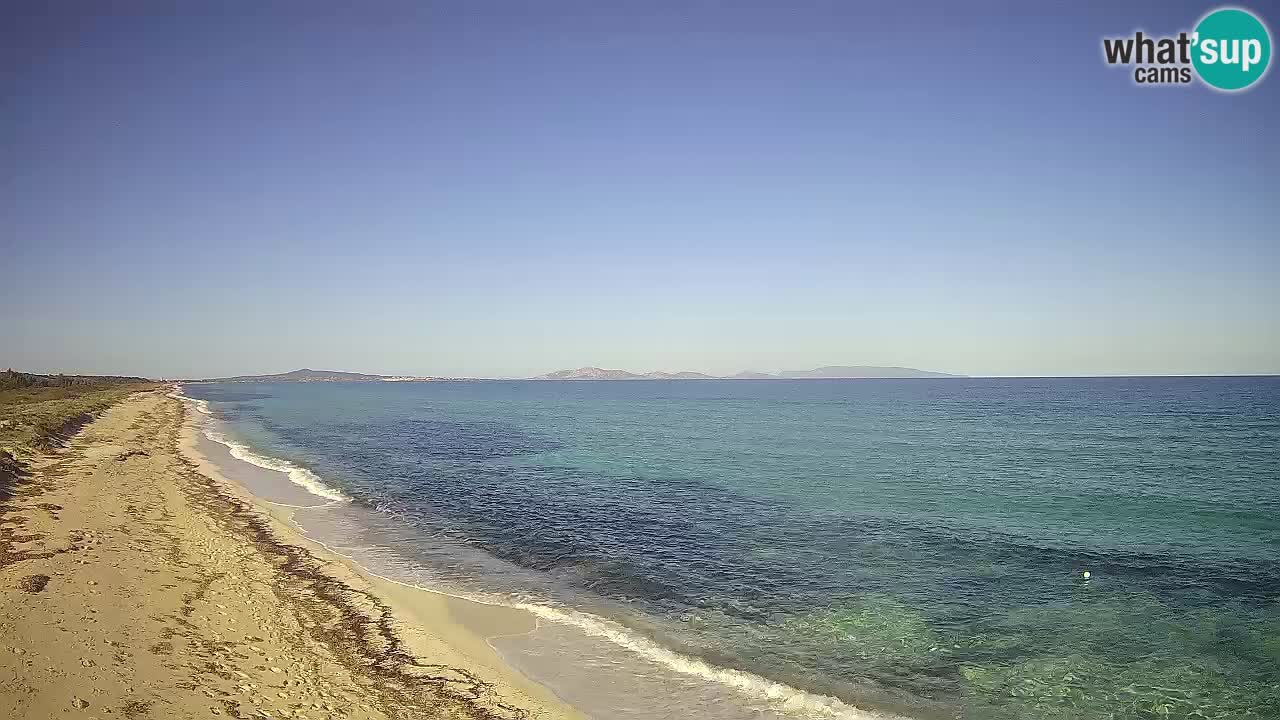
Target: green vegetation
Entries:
(39, 411)
(14, 380)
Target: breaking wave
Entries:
(297, 474)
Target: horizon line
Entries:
(446, 378)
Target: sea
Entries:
(1056, 548)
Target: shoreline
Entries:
(427, 622)
(137, 584)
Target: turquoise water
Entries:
(916, 546)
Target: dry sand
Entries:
(135, 582)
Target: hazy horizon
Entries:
(503, 191)
(713, 376)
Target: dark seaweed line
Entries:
(358, 626)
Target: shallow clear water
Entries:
(911, 545)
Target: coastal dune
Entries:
(134, 582)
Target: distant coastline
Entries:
(825, 372)
(592, 373)
(309, 375)
(596, 373)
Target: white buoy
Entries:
(1086, 574)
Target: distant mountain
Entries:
(682, 375)
(589, 373)
(309, 375)
(863, 371)
(830, 371)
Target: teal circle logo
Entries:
(1232, 49)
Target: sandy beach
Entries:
(137, 582)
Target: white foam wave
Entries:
(201, 406)
(784, 697)
(299, 476)
(792, 701)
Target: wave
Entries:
(201, 406)
(297, 474)
(781, 696)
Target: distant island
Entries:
(865, 371)
(829, 372)
(309, 375)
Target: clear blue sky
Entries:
(509, 188)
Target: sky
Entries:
(502, 189)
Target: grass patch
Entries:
(38, 412)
